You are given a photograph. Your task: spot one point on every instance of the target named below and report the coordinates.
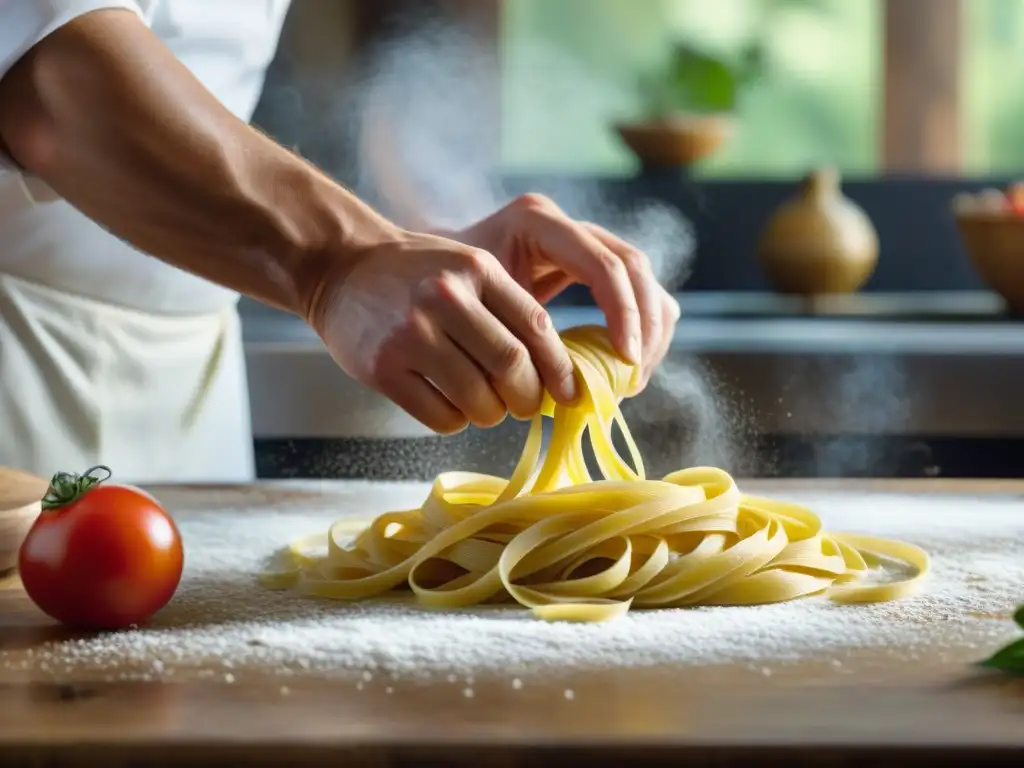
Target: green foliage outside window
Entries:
(804, 77)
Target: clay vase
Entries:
(818, 242)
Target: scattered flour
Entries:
(221, 623)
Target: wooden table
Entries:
(897, 714)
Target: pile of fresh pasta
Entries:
(568, 547)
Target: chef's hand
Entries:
(452, 329)
(443, 330)
(545, 251)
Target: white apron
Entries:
(157, 398)
(106, 355)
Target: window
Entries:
(878, 88)
(872, 86)
(875, 87)
(571, 69)
(994, 99)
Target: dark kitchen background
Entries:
(441, 110)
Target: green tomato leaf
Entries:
(1019, 617)
(1010, 659)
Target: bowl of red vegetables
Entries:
(991, 225)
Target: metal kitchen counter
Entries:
(739, 370)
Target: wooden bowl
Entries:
(994, 241)
(21, 497)
(676, 141)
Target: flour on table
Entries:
(221, 622)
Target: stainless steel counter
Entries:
(864, 366)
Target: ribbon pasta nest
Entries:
(571, 548)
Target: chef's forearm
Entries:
(105, 114)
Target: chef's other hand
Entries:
(441, 329)
(545, 251)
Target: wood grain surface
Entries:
(873, 709)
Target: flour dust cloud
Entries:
(414, 127)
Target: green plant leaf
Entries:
(1019, 617)
(1009, 659)
(701, 82)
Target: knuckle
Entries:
(634, 262)
(563, 368)
(533, 201)
(412, 330)
(538, 321)
(511, 358)
(476, 262)
(609, 263)
(440, 289)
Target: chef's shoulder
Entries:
(26, 23)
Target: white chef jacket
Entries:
(108, 355)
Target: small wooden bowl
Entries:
(676, 141)
(21, 495)
(994, 240)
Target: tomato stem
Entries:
(66, 487)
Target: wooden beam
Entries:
(921, 122)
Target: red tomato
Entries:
(100, 556)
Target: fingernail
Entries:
(639, 384)
(567, 387)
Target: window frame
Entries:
(922, 110)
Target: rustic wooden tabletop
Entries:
(879, 708)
